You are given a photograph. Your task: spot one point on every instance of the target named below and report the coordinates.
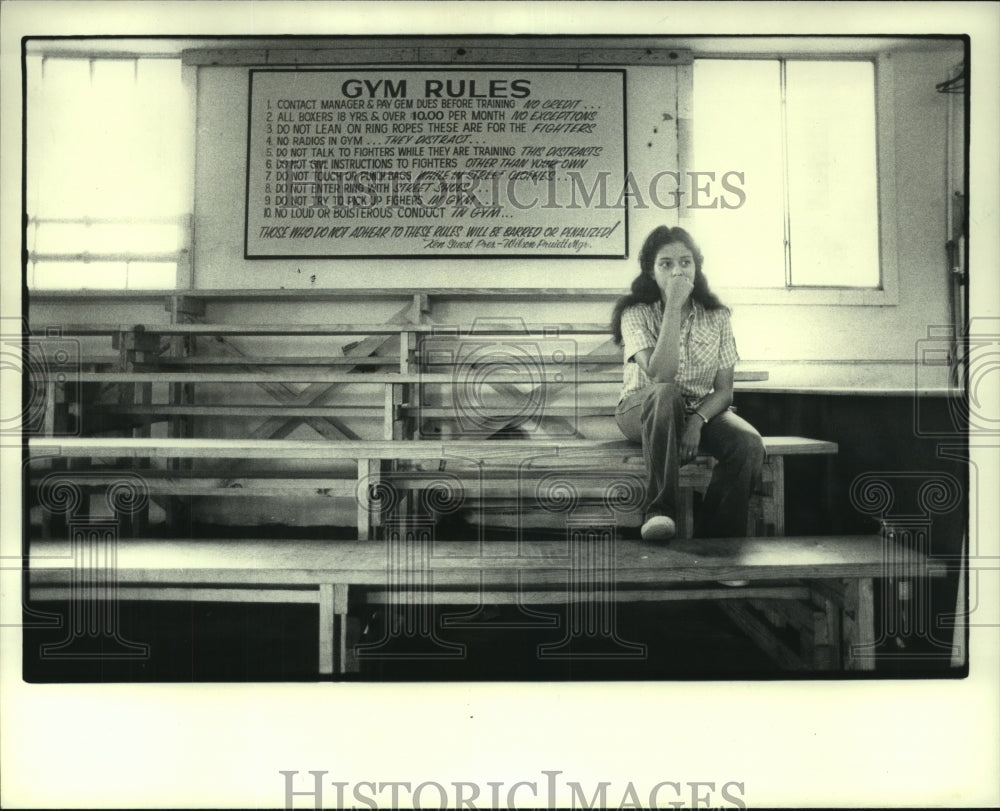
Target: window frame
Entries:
(887, 293)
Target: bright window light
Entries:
(109, 157)
(803, 135)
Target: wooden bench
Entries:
(820, 588)
(511, 467)
(557, 397)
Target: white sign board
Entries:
(434, 163)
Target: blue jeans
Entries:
(655, 416)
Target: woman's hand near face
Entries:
(676, 290)
(674, 271)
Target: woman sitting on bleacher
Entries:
(679, 355)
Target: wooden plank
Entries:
(549, 390)
(178, 593)
(49, 414)
(773, 614)
(329, 427)
(271, 360)
(524, 485)
(510, 327)
(340, 604)
(60, 295)
(360, 562)
(826, 634)
(834, 592)
(223, 410)
(292, 375)
(364, 510)
(599, 361)
(188, 483)
(863, 391)
(494, 413)
(316, 393)
(327, 648)
(555, 596)
(859, 625)
(393, 395)
(777, 650)
(500, 449)
(777, 499)
(405, 360)
(799, 615)
(281, 483)
(374, 467)
(339, 293)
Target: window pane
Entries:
(737, 128)
(152, 275)
(832, 173)
(109, 157)
(79, 275)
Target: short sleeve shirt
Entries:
(707, 345)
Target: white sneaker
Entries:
(658, 528)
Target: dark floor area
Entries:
(204, 642)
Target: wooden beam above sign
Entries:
(443, 52)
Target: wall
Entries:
(775, 335)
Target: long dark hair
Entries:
(645, 290)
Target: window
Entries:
(803, 133)
(109, 157)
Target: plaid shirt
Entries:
(707, 345)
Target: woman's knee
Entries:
(751, 447)
(662, 392)
(741, 442)
(661, 400)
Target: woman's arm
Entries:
(722, 396)
(660, 363)
(716, 402)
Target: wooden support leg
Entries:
(365, 484)
(370, 506)
(340, 610)
(778, 495)
(352, 636)
(686, 513)
(773, 500)
(138, 521)
(326, 635)
(332, 628)
(858, 625)
(826, 635)
(49, 418)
